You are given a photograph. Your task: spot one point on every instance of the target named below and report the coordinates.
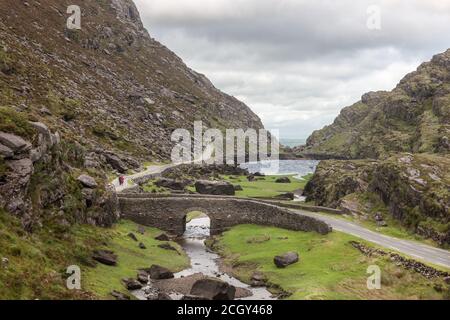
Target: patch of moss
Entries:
(16, 123)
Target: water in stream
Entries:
(206, 262)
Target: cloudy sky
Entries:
(297, 63)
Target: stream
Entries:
(206, 262)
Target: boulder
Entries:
(6, 152)
(162, 237)
(257, 279)
(143, 277)
(213, 289)
(283, 180)
(167, 246)
(214, 187)
(87, 181)
(286, 196)
(116, 162)
(157, 272)
(119, 295)
(15, 143)
(132, 236)
(105, 257)
(286, 259)
(237, 187)
(163, 296)
(171, 184)
(132, 284)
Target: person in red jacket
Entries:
(121, 180)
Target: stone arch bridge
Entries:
(168, 212)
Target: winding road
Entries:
(413, 249)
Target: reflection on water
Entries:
(204, 261)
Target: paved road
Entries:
(414, 249)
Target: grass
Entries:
(103, 279)
(329, 267)
(15, 123)
(266, 187)
(38, 262)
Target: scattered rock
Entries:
(105, 257)
(143, 276)
(87, 181)
(142, 246)
(132, 284)
(214, 187)
(15, 143)
(141, 229)
(286, 259)
(213, 289)
(258, 279)
(192, 297)
(119, 295)
(162, 237)
(6, 152)
(116, 162)
(167, 246)
(238, 187)
(447, 280)
(5, 262)
(132, 236)
(163, 296)
(259, 239)
(283, 180)
(157, 272)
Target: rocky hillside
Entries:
(414, 117)
(109, 86)
(79, 105)
(411, 188)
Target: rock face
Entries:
(146, 90)
(286, 259)
(414, 117)
(412, 188)
(213, 289)
(214, 187)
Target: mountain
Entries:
(414, 117)
(109, 85)
(389, 155)
(78, 106)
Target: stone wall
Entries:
(169, 213)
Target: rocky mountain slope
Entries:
(414, 117)
(79, 105)
(411, 188)
(108, 86)
(401, 139)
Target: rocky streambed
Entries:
(205, 264)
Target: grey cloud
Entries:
(296, 63)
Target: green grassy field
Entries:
(265, 186)
(329, 267)
(103, 279)
(37, 262)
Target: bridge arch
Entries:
(168, 213)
